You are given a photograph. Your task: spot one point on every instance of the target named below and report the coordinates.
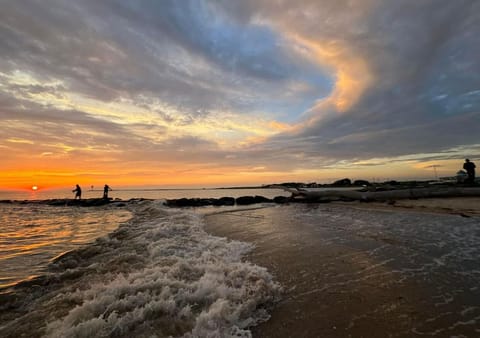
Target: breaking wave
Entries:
(158, 275)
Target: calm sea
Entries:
(31, 235)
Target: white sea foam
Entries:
(159, 275)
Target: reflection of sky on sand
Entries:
(355, 272)
(436, 253)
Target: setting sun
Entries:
(34, 188)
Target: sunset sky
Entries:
(172, 93)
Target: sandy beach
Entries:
(366, 269)
(463, 206)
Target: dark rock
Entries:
(190, 202)
(281, 199)
(90, 202)
(180, 202)
(199, 202)
(345, 182)
(205, 201)
(94, 202)
(361, 183)
(224, 201)
(314, 200)
(57, 202)
(261, 199)
(245, 200)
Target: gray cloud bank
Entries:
(425, 97)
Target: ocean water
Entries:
(143, 270)
(126, 194)
(32, 235)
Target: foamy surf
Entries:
(158, 275)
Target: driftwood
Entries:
(413, 193)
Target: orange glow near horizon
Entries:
(213, 176)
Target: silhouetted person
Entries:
(78, 192)
(470, 168)
(106, 188)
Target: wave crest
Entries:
(159, 275)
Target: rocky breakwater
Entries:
(89, 202)
(326, 196)
(224, 201)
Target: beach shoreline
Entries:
(462, 206)
(352, 268)
(338, 287)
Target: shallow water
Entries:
(346, 272)
(31, 235)
(364, 273)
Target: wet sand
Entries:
(463, 206)
(362, 282)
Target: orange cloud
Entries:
(352, 72)
(279, 126)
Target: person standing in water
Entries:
(78, 192)
(470, 168)
(106, 188)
